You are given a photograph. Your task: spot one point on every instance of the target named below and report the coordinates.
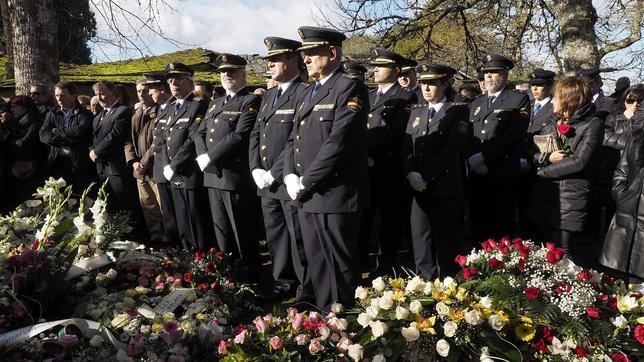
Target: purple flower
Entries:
(68, 340)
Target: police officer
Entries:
(438, 133)
(179, 165)
(408, 79)
(389, 111)
(222, 145)
(499, 121)
(267, 143)
(326, 167)
(160, 92)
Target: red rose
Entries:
(608, 279)
(638, 333)
(585, 275)
(35, 245)
(540, 346)
(521, 264)
(554, 253)
(203, 287)
(547, 334)
(602, 298)
(187, 277)
(209, 267)
(532, 292)
(581, 351)
(461, 260)
(489, 245)
(563, 129)
(612, 303)
(593, 313)
(619, 357)
(213, 285)
(503, 249)
(469, 273)
(495, 264)
(200, 255)
(213, 250)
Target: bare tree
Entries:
(572, 33)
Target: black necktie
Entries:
(490, 100)
(537, 108)
(431, 113)
(378, 95)
(279, 94)
(316, 88)
(227, 98)
(176, 107)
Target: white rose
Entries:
(428, 288)
(336, 308)
(324, 332)
(442, 347)
(401, 313)
(448, 281)
(96, 340)
(485, 302)
(415, 306)
(355, 351)
(485, 355)
(619, 322)
(385, 302)
(442, 308)
(449, 329)
(379, 358)
(342, 324)
(411, 333)
(364, 319)
(378, 284)
(626, 303)
(378, 328)
(473, 317)
(361, 293)
(82, 250)
(415, 285)
(372, 312)
(496, 322)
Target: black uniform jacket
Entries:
(329, 148)
(180, 151)
(158, 140)
(270, 135)
(224, 136)
(541, 119)
(435, 148)
(499, 135)
(111, 130)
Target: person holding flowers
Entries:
(560, 195)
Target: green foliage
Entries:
(76, 27)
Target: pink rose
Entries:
(260, 324)
(239, 338)
(275, 342)
(343, 345)
(315, 346)
(222, 347)
(301, 339)
(297, 321)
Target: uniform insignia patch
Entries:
(318, 107)
(416, 122)
(252, 109)
(477, 110)
(212, 108)
(354, 104)
(285, 111)
(198, 119)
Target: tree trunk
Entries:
(35, 43)
(8, 36)
(577, 20)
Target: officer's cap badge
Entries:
(269, 44)
(224, 58)
(354, 104)
(171, 66)
(425, 69)
(489, 58)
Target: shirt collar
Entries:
(596, 96)
(495, 95)
(323, 80)
(109, 108)
(70, 111)
(437, 106)
(284, 86)
(542, 102)
(387, 87)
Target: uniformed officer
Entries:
(160, 93)
(354, 70)
(326, 167)
(603, 105)
(179, 165)
(389, 111)
(437, 135)
(499, 122)
(222, 145)
(408, 79)
(267, 143)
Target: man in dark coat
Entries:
(179, 165)
(437, 135)
(266, 156)
(389, 111)
(499, 121)
(221, 142)
(326, 166)
(67, 130)
(111, 129)
(41, 95)
(603, 105)
(408, 79)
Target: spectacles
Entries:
(34, 94)
(632, 100)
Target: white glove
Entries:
(481, 169)
(525, 166)
(258, 176)
(293, 185)
(370, 162)
(168, 173)
(475, 160)
(416, 181)
(268, 178)
(203, 161)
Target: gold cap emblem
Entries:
(171, 66)
(269, 44)
(224, 58)
(301, 33)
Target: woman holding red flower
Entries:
(561, 190)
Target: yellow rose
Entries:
(157, 327)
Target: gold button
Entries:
(298, 137)
(301, 123)
(169, 138)
(264, 135)
(211, 140)
(370, 115)
(368, 125)
(216, 120)
(321, 118)
(263, 147)
(485, 121)
(297, 150)
(281, 121)
(424, 133)
(298, 165)
(212, 130)
(483, 131)
(170, 129)
(264, 158)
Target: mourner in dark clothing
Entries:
(25, 154)
(624, 244)
(436, 139)
(67, 131)
(41, 95)
(560, 194)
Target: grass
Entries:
(129, 71)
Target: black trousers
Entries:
(330, 244)
(234, 224)
(171, 232)
(435, 229)
(284, 237)
(493, 209)
(388, 200)
(191, 212)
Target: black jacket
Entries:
(617, 134)
(158, 140)
(224, 135)
(270, 135)
(111, 130)
(435, 148)
(560, 193)
(541, 119)
(20, 142)
(328, 146)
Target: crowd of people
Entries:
(325, 170)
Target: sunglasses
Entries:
(632, 100)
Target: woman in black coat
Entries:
(624, 243)
(560, 195)
(25, 155)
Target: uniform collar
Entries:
(437, 106)
(323, 80)
(387, 87)
(542, 102)
(284, 86)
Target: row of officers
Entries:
(324, 158)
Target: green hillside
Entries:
(129, 71)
